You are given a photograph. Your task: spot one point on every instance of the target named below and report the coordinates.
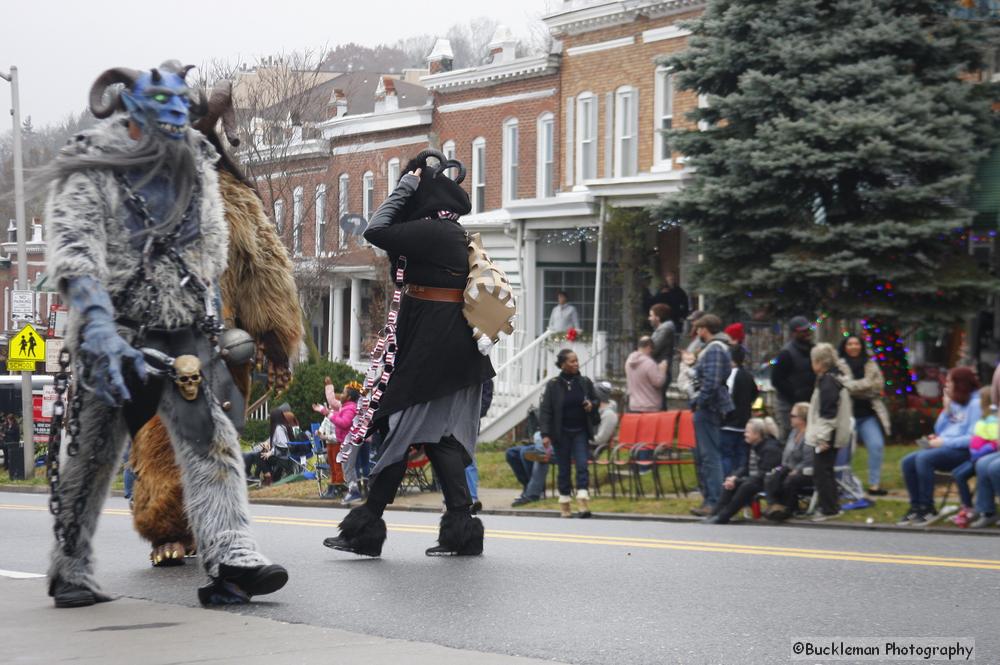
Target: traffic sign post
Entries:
(20, 365)
(22, 304)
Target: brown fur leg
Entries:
(158, 508)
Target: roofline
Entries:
(364, 123)
(578, 20)
(487, 75)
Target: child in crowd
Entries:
(983, 442)
(341, 413)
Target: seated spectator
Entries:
(608, 410)
(987, 489)
(786, 483)
(645, 379)
(739, 489)
(946, 449)
(260, 461)
(982, 443)
(530, 466)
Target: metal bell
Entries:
(237, 347)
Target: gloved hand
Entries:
(104, 349)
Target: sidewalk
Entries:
(129, 631)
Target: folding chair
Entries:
(416, 477)
(676, 455)
(666, 431)
(627, 429)
(645, 443)
(642, 431)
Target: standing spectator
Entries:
(341, 414)
(11, 438)
(792, 377)
(673, 296)
(563, 316)
(947, 448)
(664, 337)
(567, 418)
(828, 428)
(695, 344)
(864, 381)
(982, 444)
(645, 378)
(711, 404)
(744, 391)
(784, 484)
(739, 488)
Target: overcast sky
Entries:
(60, 46)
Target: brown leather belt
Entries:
(435, 293)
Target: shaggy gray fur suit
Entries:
(88, 237)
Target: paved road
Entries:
(598, 591)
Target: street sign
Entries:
(22, 304)
(20, 365)
(353, 224)
(49, 397)
(26, 345)
(52, 349)
(58, 316)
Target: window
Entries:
(320, 249)
(663, 114)
(297, 221)
(392, 175)
(479, 175)
(279, 216)
(510, 159)
(546, 161)
(578, 283)
(448, 150)
(586, 137)
(626, 119)
(368, 202)
(342, 208)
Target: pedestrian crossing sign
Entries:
(27, 345)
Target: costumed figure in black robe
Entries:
(434, 394)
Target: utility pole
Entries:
(28, 426)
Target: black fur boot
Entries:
(362, 532)
(461, 534)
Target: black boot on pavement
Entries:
(461, 534)
(362, 532)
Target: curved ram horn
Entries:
(108, 78)
(155, 75)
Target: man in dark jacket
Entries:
(673, 296)
(741, 487)
(792, 377)
(744, 390)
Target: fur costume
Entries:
(259, 294)
(160, 269)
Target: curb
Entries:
(628, 517)
(636, 517)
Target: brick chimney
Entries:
(503, 46)
(386, 99)
(441, 57)
(337, 106)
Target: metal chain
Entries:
(55, 440)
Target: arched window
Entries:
(546, 159)
(297, 221)
(626, 122)
(279, 216)
(511, 141)
(368, 202)
(448, 150)
(479, 175)
(586, 137)
(392, 175)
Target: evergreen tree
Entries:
(839, 148)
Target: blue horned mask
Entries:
(157, 100)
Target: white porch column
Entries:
(337, 322)
(355, 341)
(529, 305)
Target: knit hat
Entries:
(437, 191)
(798, 323)
(603, 390)
(736, 332)
(695, 315)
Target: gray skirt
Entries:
(456, 414)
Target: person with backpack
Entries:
(434, 395)
(744, 391)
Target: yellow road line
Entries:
(638, 542)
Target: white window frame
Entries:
(545, 160)
(320, 210)
(367, 198)
(392, 174)
(343, 206)
(511, 158)
(664, 86)
(586, 116)
(297, 211)
(449, 151)
(279, 216)
(626, 132)
(478, 175)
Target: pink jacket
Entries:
(343, 419)
(645, 382)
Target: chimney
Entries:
(386, 99)
(337, 106)
(503, 46)
(12, 231)
(36, 231)
(441, 58)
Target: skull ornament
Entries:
(187, 376)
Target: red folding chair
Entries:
(675, 455)
(666, 430)
(623, 454)
(628, 428)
